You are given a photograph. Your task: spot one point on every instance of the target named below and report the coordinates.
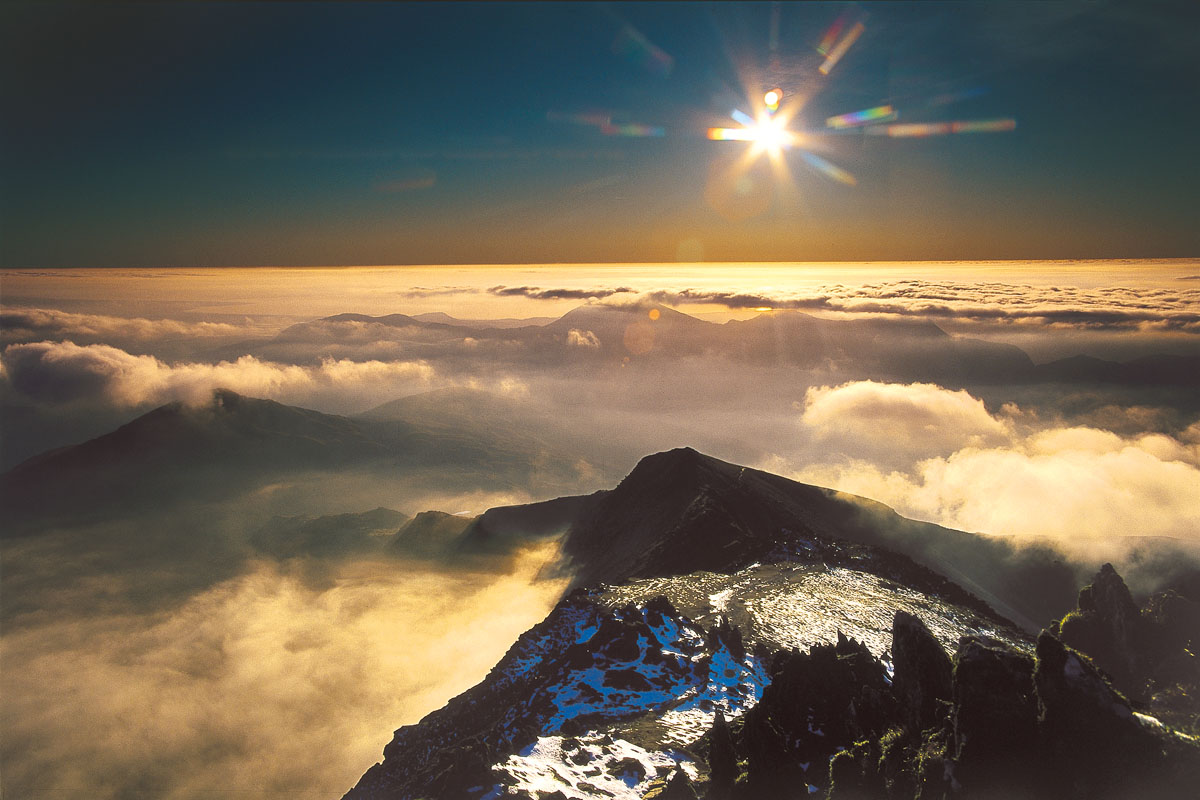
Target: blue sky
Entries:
(193, 134)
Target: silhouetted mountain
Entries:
(900, 349)
(446, 319)
(1155, 370)
(429, 533)
(234, 444)
(507, 527)
(304, 329)
(639, 330)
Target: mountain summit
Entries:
(736, 635)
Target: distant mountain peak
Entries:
(228, 399)
(679, 458)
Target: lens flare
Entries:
(877, 114)
(746, 185)
(741, 117)
(915, 130)
(633, 45)
(632, 129)
(768, 133)
(829, 170)
(839, 50)
(604, 123)
(831, 35)
(731, 134)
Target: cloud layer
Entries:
(1115, 308)
(64, 372)
(262, 686)
(23, 324)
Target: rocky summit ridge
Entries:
(725, 642)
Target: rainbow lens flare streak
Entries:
(632, 129)
(922, 129)
(732, 134)
(831, 35)
(634, 46)
(829, 170)
(741, 117)
(877, 114)
(835, 55)
(604, 123)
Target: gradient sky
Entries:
(197, 134)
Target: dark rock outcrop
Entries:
(1108, 626)
(1018, 728)
(994, 719)
(817, 702)
(922, 680)
(677, 787)
(1149, 654)
(722, 759)
(1094, 744)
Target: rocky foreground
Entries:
(729, 644)
(638, 700)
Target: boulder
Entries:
(923, 672)
(994, 720)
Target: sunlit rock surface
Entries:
(620, 686)
(804, 604)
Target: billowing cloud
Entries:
(578, 338)
(539, 293)
(889, 423)
(940, 456)
(24, 324)
(262, 685)
(63, 372)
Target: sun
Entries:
(768, 134)
(771, 135)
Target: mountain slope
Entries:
(681, 511)
(235, 445)
(728, 640)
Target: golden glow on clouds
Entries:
(292, 294)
